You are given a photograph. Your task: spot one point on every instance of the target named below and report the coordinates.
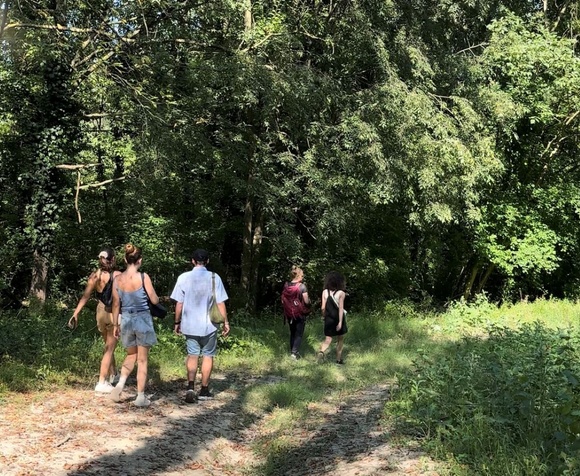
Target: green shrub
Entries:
(505, 404)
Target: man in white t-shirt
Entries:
(194, 296)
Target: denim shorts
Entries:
(137, 330)
(206, 345)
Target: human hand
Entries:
(73, 322)
(226, 329)
(177, 328)
(117, 331)
(339, 326)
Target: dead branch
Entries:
(100, 184)
(77, 195)
(480, 45)
(75, 166)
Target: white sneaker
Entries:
(103, 387)
(142, 401)
(115, 394)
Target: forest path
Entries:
(74, 433)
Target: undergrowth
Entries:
(488, 390)
(506, 402)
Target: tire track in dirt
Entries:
(74, 433)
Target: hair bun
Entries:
(129, 248)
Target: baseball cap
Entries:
(200, 255)
(106, 253)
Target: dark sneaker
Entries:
(341, 362)
(190, 396)
(204, 394)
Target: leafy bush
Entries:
(504, 404)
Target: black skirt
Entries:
(331, 319)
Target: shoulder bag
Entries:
(156, 310)
(215, 315)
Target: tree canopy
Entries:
(424, 148)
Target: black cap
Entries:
(200, 256)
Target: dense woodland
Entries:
(426, 148)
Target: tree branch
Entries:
(100, 184)
(480, 45)
(75, 166)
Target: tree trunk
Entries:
(469, 285)
(256, 249)
(247, 246)
(486, 276)
(248, 16)
(39, 283)
(4, 16)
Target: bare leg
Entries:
(142, 359)
(191, 367)
(108, 361)
(339, 346)
(126, 369)
(129, 362)
(206, 368)
(326, 344)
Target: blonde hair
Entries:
(294, 272)
(132, 253)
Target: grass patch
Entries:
(502, 400)
(489, 390)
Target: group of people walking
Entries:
(123, 313)
(296, 305)
(126, 316)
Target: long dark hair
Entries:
(335, 281)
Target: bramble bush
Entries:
(504, 404)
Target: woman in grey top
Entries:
(131, 290)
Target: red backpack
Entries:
(292, 302)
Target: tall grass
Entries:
(493, 390)
(504, 399)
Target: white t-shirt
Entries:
(194, 290)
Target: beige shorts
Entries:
(104, 319)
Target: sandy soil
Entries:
(76, 433)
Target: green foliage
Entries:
(370, 137)
(504, 404)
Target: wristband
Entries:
(176, 323)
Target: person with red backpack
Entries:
(295, 303)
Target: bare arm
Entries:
(341, 296)
(116, 308)
(178, 312)
(323, 303)
(150, 290)
(92, 282)
(222, 307)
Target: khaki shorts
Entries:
(104, 319)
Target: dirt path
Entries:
(75, 433)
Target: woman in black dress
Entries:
(334, 314)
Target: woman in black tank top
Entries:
(101, 282)
(334, 314)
